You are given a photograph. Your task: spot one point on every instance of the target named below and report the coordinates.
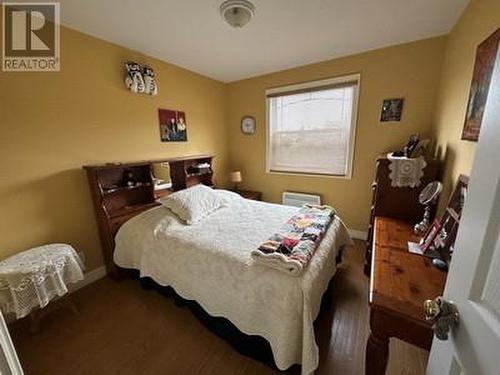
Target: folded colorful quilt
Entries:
(292, 247)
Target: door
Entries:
(9, 363)
(473, 281)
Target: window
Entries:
(311, 127)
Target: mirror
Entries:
(161, 175)
(428, 197)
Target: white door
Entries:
(9, 363)
(473, 283)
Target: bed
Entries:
(209, 262)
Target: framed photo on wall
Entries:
(173, 127)
(483, 69)
(392, 109)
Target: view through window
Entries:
(311, 129)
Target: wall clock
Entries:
(248, 125)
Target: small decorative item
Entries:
(134, 80)
(140, 80)
(150, 86)
(405, 172)
(128, 179)
(235, 178)
(391, 109)
(248, 125)
(173, 126)
(483, 69)
(428, 197)
(427, 241)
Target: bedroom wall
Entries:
(479, 20)
(410, 70)
(53, 123)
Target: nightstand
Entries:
(248, 194)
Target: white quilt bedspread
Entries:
(210, 262)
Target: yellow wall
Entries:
(53, 123)
(410, 71)
(478, 21)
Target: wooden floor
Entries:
(123, 329)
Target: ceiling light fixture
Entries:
(237, 13)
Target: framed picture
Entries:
(483, 69)
(392, 109)
(173, 127)
(428, 240)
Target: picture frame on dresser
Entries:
(450, 220)
(428, 240)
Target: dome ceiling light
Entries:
(237, 13)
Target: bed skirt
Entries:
(253, 346)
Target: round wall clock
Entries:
(248, 125)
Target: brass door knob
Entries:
(444, 315)
(431, 309)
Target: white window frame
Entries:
(315, 85)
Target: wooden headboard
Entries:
(121, 191)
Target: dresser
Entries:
(395, 202)
(400, 283)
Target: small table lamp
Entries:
(235, 178)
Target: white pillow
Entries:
(193, 204)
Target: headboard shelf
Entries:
(122, 190)
(118, 164)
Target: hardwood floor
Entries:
(123, 329)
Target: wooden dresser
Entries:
(116, 200)
(400, 283)
(395, 202)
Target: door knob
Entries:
(443, 314)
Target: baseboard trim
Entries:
(90, 277)
(358, 234)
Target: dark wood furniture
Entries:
(400, 283)
(396, 202)
(122, 190)
(444, 242)
(249, 194)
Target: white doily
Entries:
(406, 172)
(33, 277)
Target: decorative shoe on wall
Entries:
(140, 79)
(148, 75)
(134, 80)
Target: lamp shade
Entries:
(235, 176)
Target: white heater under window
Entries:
(299, 199)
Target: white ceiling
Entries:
(283, 33)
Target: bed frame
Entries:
(116, 201)
(121, 191)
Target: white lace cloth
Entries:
(406, 172)
(34, 277)
(210, 262)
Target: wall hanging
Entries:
(483, 69)
(173, 127)
(140, 79)
(248, 125)
(391, 109)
